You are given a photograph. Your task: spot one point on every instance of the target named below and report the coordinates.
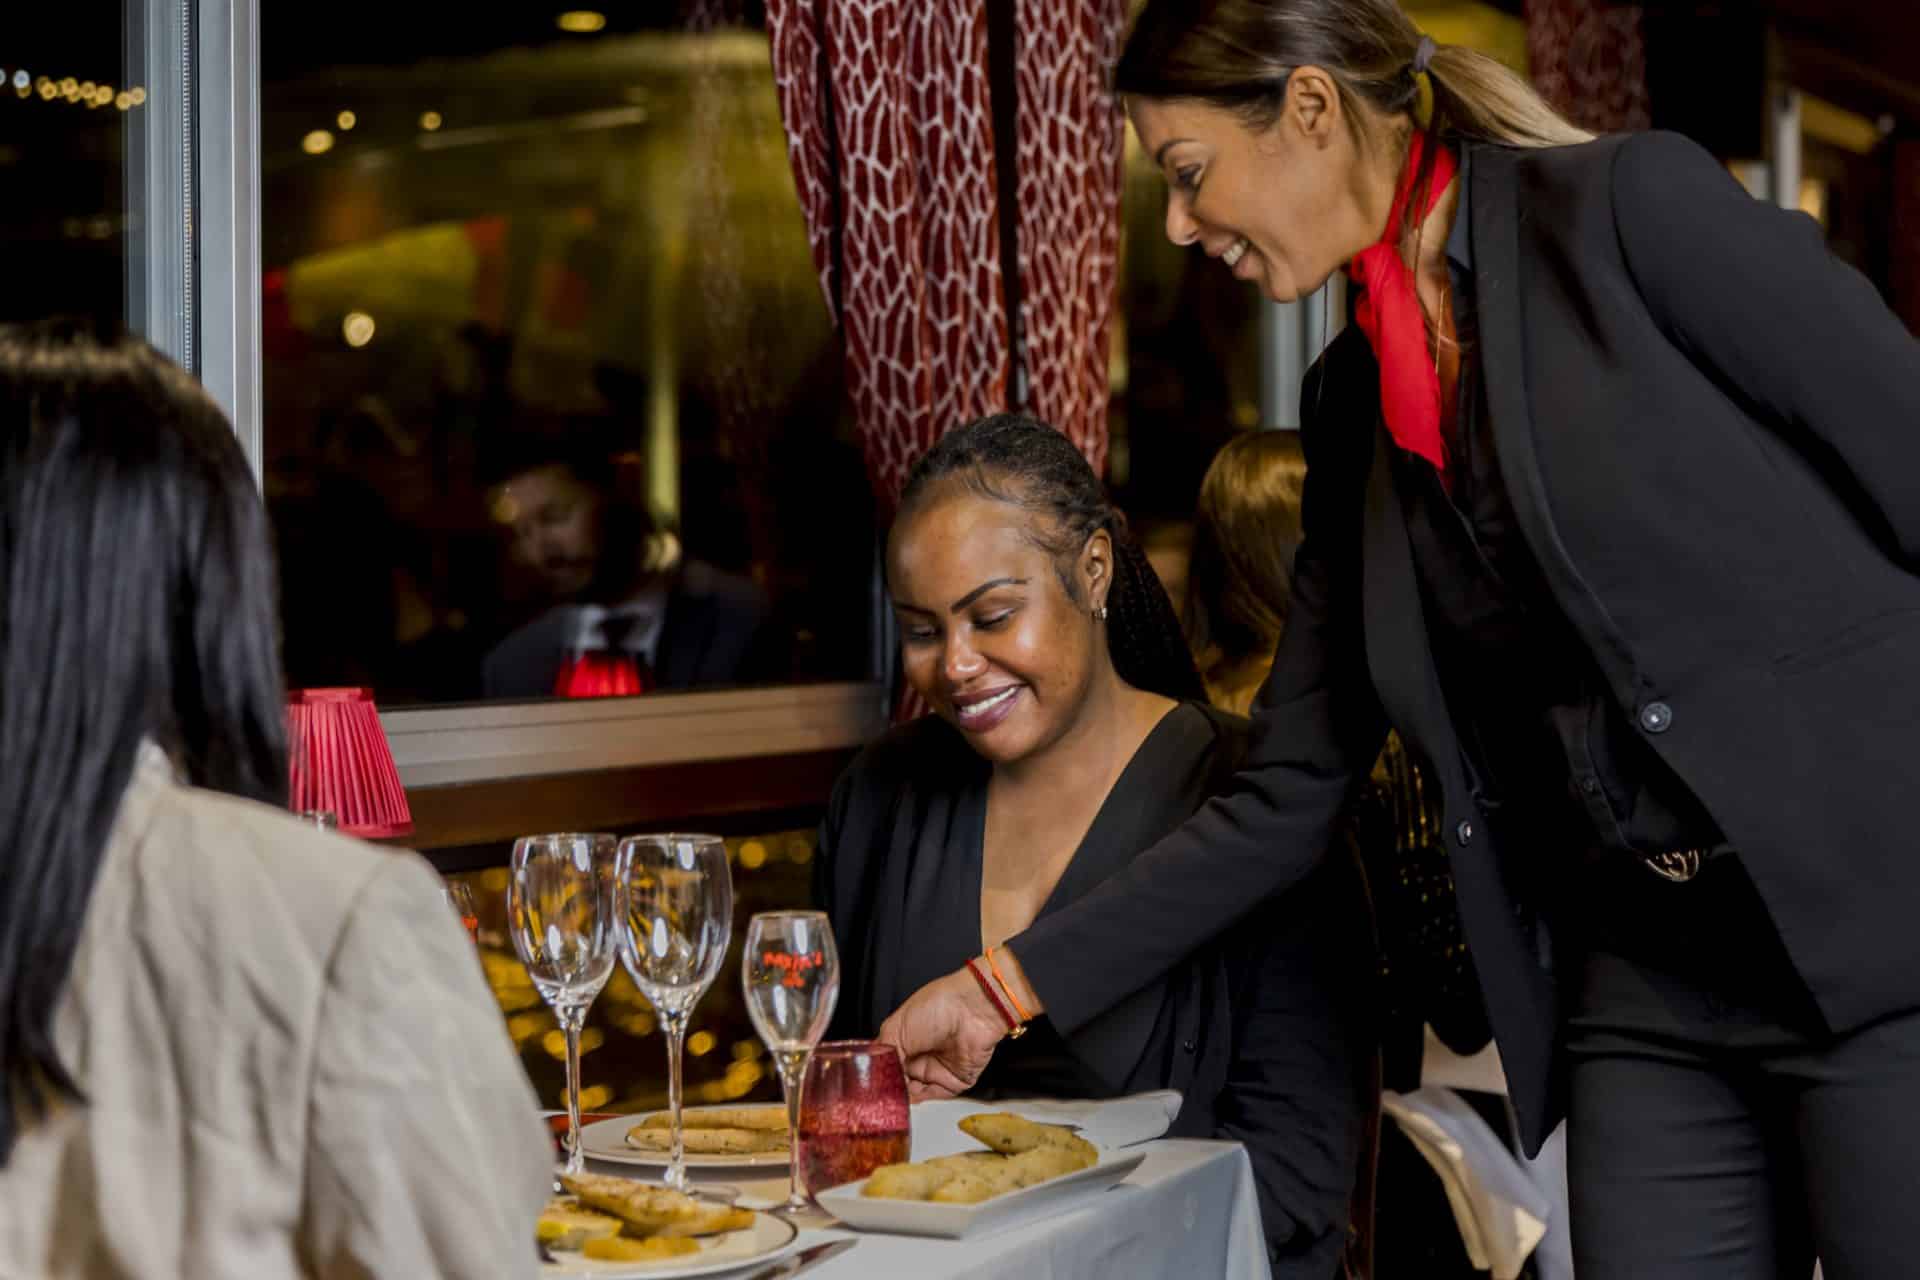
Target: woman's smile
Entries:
(981, 711)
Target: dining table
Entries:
(1188, 1211)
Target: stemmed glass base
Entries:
(793, 1066)
(570, 1026)
(673, 1025)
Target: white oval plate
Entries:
(767, 1239)
(607, 1140)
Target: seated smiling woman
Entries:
(1069, 732)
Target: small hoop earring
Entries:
(1100, 614)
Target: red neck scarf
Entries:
(1389, 314)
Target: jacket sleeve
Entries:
(1317, 725)
(425, 1152)
(1751, 294)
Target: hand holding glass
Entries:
(679, 896)
(564, 906)
(791, 973)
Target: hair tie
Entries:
(1423, 56)
(1422, 82)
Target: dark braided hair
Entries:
(1021, 461)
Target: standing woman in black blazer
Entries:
(1613, 510)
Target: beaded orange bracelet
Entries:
(1006, 987)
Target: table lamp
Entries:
(341, 764)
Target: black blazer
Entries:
(1711, 433)
(1267, 1032)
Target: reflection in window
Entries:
(552, 402)
(1186, 361)
(67, 111)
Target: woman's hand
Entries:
(946, 1031)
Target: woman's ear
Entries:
(1313, 105)
(1095, 570)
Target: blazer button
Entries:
(1464, 833)
(1189, 1045)
(1656, 717)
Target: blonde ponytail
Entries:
(1477, 97)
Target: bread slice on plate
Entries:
(654, 1211)
(564, 1224)
(759, 1119)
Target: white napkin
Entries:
(1108, 1123)
(1501, 1214)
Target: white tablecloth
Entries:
(1188, 1212)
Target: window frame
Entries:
(203, 308)
(160, 177)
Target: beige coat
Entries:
(292, 1064)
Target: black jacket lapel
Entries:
(1512, 967)
(1500, 315)
(1398, 653)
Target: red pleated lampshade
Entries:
(341, 762)
(601, 675)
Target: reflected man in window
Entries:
(629, 611)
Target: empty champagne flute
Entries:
(791, 975)
(679, 918)
(564, 909)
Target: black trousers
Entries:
(1716, 1129)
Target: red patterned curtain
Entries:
(1069, 156)
(889, 124)
(1589, 59)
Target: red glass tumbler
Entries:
(854, 1115)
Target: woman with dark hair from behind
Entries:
(1069, 732)
(232, 1044)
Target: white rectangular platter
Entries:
(953, 1221)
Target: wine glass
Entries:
(854, 1114)
(564, 907)
(791, 974)
(679, 918)
(458, 895)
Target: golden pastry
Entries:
(1025, 1154)
(649, 1249)
(759, 1119)
(1010, 1134)
(905, 1181)
(564, 1224)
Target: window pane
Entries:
(1187, 354)
(68, 108)
(552, 403)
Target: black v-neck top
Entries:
(927, 924)
(943, 904)
(1267, 1033)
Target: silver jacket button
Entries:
(1464, 833)
(1656, 717)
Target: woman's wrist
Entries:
(1010, 1023)
(1013, 980)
